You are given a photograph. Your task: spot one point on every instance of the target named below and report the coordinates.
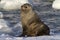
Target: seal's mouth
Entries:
(23, 9)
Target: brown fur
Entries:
(32, 26)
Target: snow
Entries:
(31, 38)
(5, 27)
(56, 4)
(17, 29)
(9, 5)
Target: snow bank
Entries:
(30, 38)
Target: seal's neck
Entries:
(25, 12)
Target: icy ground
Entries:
(6, 37)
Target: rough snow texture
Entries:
(4, 37)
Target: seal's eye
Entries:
(25, 6)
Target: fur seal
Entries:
(32, 25)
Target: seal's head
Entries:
(26, 7)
